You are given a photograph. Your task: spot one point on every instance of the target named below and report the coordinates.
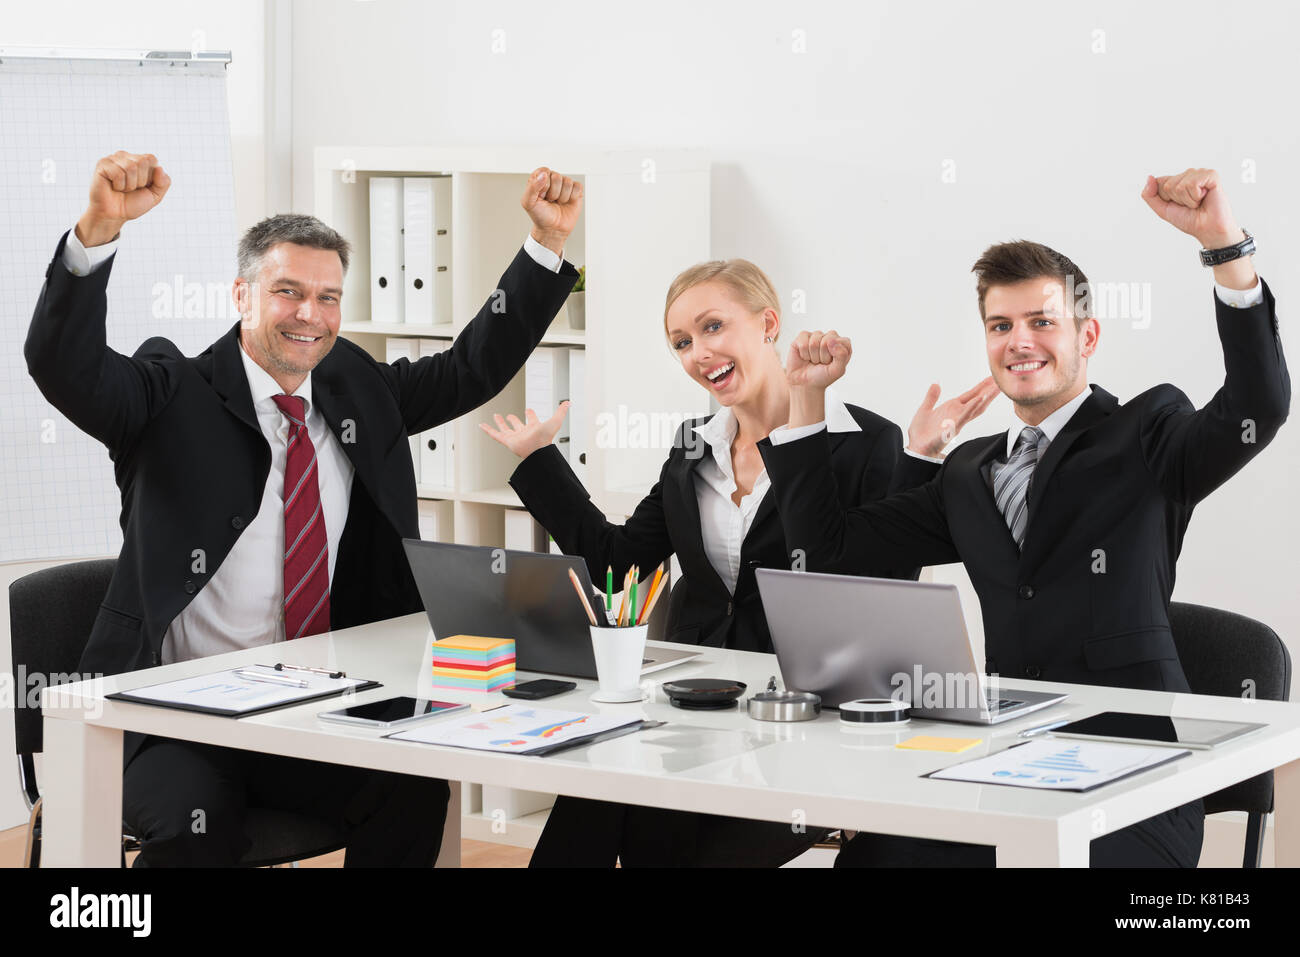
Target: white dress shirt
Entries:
(723, 523)
(242, 605)
(1050, 426)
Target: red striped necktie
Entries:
(306, 549)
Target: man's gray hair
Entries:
(297, 228)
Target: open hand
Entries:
(934, 426)
(553, 203)
(524, 439)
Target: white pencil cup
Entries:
(619, 653)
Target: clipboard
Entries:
(231, 693)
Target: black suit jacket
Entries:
(191, 461)
(1087, 600)
(865, 465)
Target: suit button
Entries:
(190, 587)
(236, 523)
(1026, 592)
(1033, 671)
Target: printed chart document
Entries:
(520, 729)
(1060, 765)
(245, 690)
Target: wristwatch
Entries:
(1217, 257)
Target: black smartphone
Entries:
(539, 688)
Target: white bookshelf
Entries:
(636, 233)
(645, 218)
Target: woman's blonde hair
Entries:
(747, 282)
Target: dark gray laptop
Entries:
(843, 637)
(527, 596)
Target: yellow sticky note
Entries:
(926, 742)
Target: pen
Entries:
(271, 679)
(281, 666)
(1030, 732)
(609, 588)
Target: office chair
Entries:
(1220, 653)
(51, 613)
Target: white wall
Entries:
(829, 171)
(829, 163)
(234, 25)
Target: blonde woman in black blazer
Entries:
(712, 509)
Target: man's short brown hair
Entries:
(1005, 264)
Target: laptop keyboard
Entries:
(999, 704)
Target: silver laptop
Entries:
(527, 596)
(843, 637)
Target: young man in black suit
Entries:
(279, 456)
(1070, 523)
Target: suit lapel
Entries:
(230, 381)
(683, 477)
(1096, 407)
(330, 393)
(974, 476)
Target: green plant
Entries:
(581, 284)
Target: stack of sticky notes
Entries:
(474, 663)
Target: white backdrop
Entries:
(866, 155)
(832, 126)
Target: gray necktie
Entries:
(1011, 482)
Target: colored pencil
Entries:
(586, 605)
(650, 605)
(650, 595)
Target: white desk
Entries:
(719, 762)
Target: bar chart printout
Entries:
(1056, 765)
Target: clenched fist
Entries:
(552, 202)
(124, 186)
(817, 359)
(1194, 202)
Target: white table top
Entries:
(720, 762)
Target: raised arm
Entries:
(902, 531)
(106, 394)
(554, 495)
(1193, 452)
(510, 324)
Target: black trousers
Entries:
(187, 803)
(584, 833)
(1172, 839)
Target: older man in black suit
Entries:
(281, 453)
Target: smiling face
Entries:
(1037, 352)
(719, 342)
(292, 312)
